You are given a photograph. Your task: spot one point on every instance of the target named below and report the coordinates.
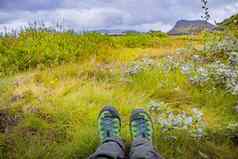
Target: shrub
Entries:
(37, 46)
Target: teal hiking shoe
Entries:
(141, 125)
(109, 123)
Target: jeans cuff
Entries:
(116, 140)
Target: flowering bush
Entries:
(197, 58)
(170, 64)
(200, 77)
(197, 75)
(233, 58)
(140, 65)
(225, 75)
(221, 74)
(221, 71)
(226, 45)
(169, 121)
(187, 68)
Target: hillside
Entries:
(231, 23)
(53, 85)
(187, 27)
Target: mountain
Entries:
(114, 31)
(229, 23)
(186, 27)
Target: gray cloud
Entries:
(126, 14)
(31, 5)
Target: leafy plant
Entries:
(205, 8)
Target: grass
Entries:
(50, 103)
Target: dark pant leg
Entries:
(142, 148)
(110, 149)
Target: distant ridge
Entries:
(229, 23)
(114, 31)
(187, 27)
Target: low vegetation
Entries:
(33, 48)
(53, 85)
(230, 23)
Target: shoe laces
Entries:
(143, 129)
(109, 126)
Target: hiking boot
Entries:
(109, 123)
(141, 125)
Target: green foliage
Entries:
(2, 147)
(53, 110)
(41, 48)
(229, 23)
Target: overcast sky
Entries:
(140, 15)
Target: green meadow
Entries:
(53, 85)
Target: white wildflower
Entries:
(188, 121)
(186, 68)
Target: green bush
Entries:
(32, 48)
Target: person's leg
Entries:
(111, 149)
(109, 125)
(142, 135)
(142, 148)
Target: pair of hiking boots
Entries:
(109, 123)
